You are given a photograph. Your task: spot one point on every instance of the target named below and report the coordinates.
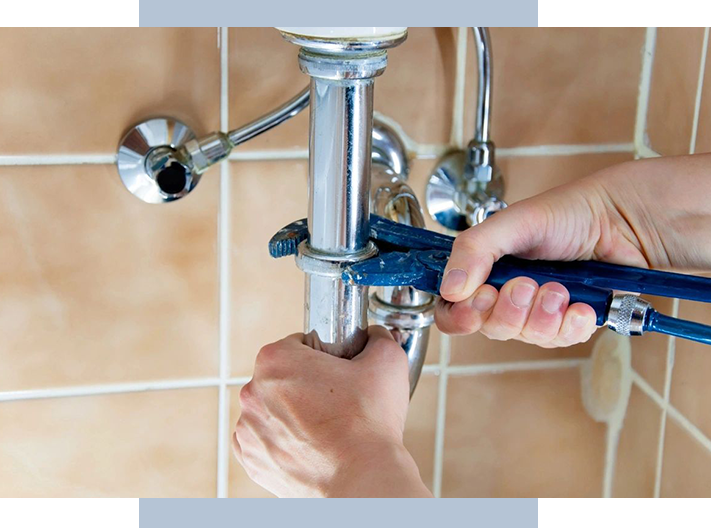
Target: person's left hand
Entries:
(316, 425)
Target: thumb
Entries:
(381, 347)
(514, 230)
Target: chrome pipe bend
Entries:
(406, 311)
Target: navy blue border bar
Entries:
(181, 13)
(341, 513)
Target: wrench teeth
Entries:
(286, 241)
(282, 248)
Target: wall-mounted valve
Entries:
(161, 160)
(466, 186)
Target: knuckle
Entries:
(539, 336)
(246, 395)
(500, 329)
(267, 357)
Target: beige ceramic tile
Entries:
(416, 88)
(687, 465)
(560, 85)
(637, 449)
(521, 434)
(690, 390)
(420, 426)
(525, 177)
(153, 444)
(267, 294)
(673, 90)
(703, 138)
(419, 438)
(97, 286)
(264, 73)
(76, 90)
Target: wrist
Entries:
(378, 469)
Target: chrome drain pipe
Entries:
(342, 75)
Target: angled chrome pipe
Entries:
(161, 160)
(466, 185)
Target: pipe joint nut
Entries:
(480, 166)
(401, 317)
(343, 67)
(208, 150)
(314, 262)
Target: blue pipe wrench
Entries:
(410, 256)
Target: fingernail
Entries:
(552, 301)
(453, 282)
(483, 301)
(522, 295)
(578, 321)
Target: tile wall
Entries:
(127, 329)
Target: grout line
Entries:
(460, 78)
(223, 250)
(444, 352)
(514, 366)
(612, 440)
(645, 152)
(431, 369)
(421, 151)
(426, 151)
(565, 150)
(699, 91)
(110, 388)
(237, 381)
(645, 387)
(673, 412)
(689, 427)
(645, 82)
(269, 155)
(57, 159)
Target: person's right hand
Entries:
(652, 213)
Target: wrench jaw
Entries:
(420, 269)
(286, 241)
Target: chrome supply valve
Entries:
(161, 160)
(466, 186)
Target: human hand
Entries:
(578, 221)
(316, 425)
(648, 213)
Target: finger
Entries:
(578, 325)
(511, 310)
(379, 332)
(511, 231)
(237, 449)
(547, 313)
(468, 316)
(295, 341)
(381, 346)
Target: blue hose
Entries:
(657, 322)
